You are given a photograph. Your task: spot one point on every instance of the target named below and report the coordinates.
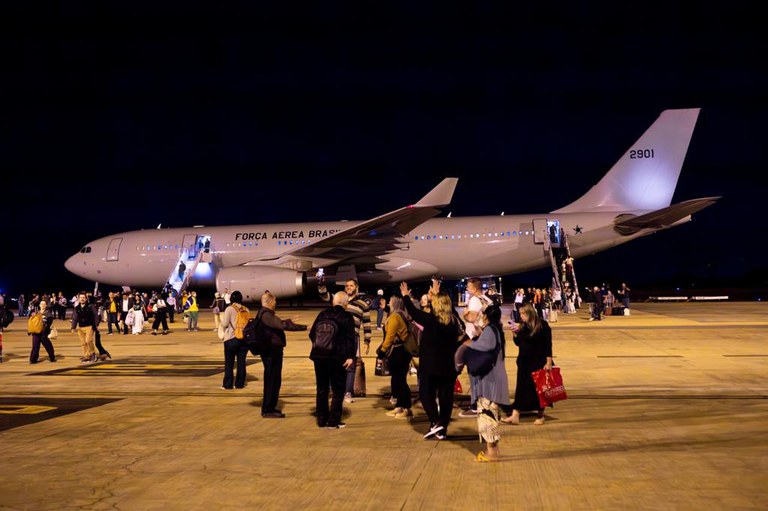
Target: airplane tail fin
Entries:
(645, 177)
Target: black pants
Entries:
(433, 386)
(329, 372)
(234, 349)
(160, 318)
(38, 339)
(273, 378)
(99, 347)
(399, 364)
(112, 318)
(126, 328)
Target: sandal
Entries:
(481, 457)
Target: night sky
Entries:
(327, 112)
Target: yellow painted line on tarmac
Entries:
(25, 409)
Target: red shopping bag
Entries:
(457, 389)
(549, 386)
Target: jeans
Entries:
(234, 349)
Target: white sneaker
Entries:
(348, 398)
(434, 429)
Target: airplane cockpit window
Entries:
(82, 250)
(87, 250)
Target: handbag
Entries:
(549, 386)
(54, 334)
(382, 367)
(480, 363)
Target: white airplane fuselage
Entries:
(450, 247)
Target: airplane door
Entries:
(113, 251)
(539, 230)
(189, 245)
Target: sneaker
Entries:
(405, 414)
(539, 421)
(348, 398)
(468, 413)
(437, 428)
(340, 425)
(393, 413)
(440, 436)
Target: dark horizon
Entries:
(324, 114)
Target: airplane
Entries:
(632, 200)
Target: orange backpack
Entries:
(243, 315)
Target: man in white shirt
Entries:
(472, 314)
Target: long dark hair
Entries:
(493, 315)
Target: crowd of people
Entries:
(341, 332)
(448, 342)
(124, 312)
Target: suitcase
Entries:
(359, 388)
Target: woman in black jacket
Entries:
(534, 338)
(437, 371)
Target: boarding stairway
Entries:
(562, 264)
(180, 280)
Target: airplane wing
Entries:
(372, 238)
(665, 216)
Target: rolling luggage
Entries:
(359, 387)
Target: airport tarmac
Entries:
(667, 409)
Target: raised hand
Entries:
(404, 289)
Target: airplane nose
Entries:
(71, 264)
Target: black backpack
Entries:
(326, 332)
(256, 336)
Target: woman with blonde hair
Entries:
(437, 372)
(393, 349)
(534, 339)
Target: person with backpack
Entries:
(39, 327)
(360, 310)
(333, 351)
(233, 320)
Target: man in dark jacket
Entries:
(334, 347)
(85, 322)
(272, 359)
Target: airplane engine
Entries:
(252, 281)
